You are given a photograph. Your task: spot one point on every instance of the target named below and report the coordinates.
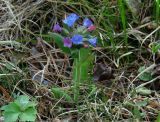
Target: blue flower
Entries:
(87, 22)
(67, 42)
(71, 19)
(93, 41)
(77, 39)
(57, 28)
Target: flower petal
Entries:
(93, 41)
(91, 28)
(71, 19)
(87, 22)
(67, 42)
(77, 39)
(57, 28)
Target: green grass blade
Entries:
(59, 93)
(157, 10)
(123, 19)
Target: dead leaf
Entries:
(154, 104)
(102, 72)
(5, 94)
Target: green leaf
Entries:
(158, 117)
(11, 116)
(146, 76)
(141, 103)
(22, 108)
(24, 103)
(12, 107)
(143, 91)
(155, 47)
(59, 41)
(31, 104)
(59, 93)
(11, 112)
(81, 30)
(137, 113)
(22, 100)
(65, 31)
(28, 115)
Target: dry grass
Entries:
(20, 18)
